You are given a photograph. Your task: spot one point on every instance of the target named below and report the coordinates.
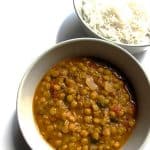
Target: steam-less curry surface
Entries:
(81, 104)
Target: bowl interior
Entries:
(84, 47)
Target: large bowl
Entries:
(84, 47)
(133, 49)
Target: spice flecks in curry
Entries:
(81, 104)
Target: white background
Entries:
(27, 29)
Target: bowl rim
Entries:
(57, 45)
(100, 36)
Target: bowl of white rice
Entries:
(125, 23)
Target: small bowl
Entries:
(133, 49)
(112, 54)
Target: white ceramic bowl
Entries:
(84, 47)
(132, 48)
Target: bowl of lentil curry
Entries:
(83, 94)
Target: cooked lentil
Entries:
(81, 104)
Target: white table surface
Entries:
(27, 29)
